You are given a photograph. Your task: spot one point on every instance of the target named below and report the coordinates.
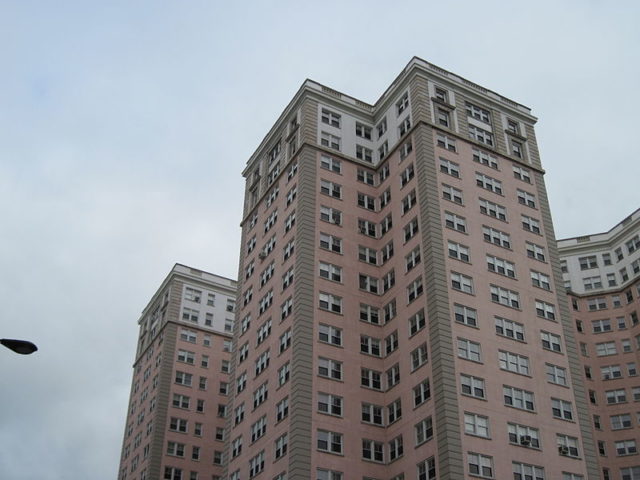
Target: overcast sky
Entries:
(124, 127)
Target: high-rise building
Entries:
(602, 277)
(176, 416)
(402, 313)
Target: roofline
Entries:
(620, 223)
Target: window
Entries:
(370, 378)
(383, 150)
(526, 198)
(330, 404)
(477, 425)
(331, 272)
(531, 224)
(404, 127)
(567, 445)
(609, 372)
(606, 348)
(480, 465)
(633, 244)
(465, 315)
(421, 392)
(280, 446)
(402, 104)
(626, 447)
(457, 251)
(424, 431)
(409, 201)
(545, 310)
(393, 376)
(556, 374)
(493, 209)
(419, 356)
(256, 464)
(172, 473)
(394, 411)
(561, 409)
(190, 315)
(372, 450)
(412, 259)
(329, 368)
(183, 378)
(619, 422)
(594, 304)
(441, 94)
(372, 414)
(330, 242)
(329, 140)
(616, 396)
(461, 282)
(522, 471)
(259, 428)
(188, 335)
(472, 386)
(365, 154)
(322, 474)
(522, 174)
(330, 215)
(366, 201)
(391, 343)
(178, 425)
(331, 189)
(513, 362)
(192, 294)
(363, 131)
(551, 341)
(442, 117)
(330, 442)
(523, 435)
(509, 328)
(446, 142)
(427, 469)
(489, 183)
(496, 237)
(180, 401)
(503, 267)
(517, 398)
(175, 449)
(484, 158)
(330, 118)
(415, 289)
(449, 167)
(535, 251)
(396, 448)
(591, 283)
(239, 414)
(370, 345)
(469, 350)
(416, 322)
(600, 326)
(505, 297)
(455, 222)
(330, 334)
(478, 113)
(186, 357)
(406, 175)
(282, 409)
(261, 363)
(452, 194)
(260, 395)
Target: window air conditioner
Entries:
(525, 440)
(563, 450)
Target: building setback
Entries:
(601, 274)
(175, 422)
(402, 313)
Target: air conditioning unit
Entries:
(607, 376)
(262, 255)
(563, 450)
(335, 219)
(525, 440)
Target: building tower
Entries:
(601, 273)
(175, 422)
(401, 308)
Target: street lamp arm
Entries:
(23, 347)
